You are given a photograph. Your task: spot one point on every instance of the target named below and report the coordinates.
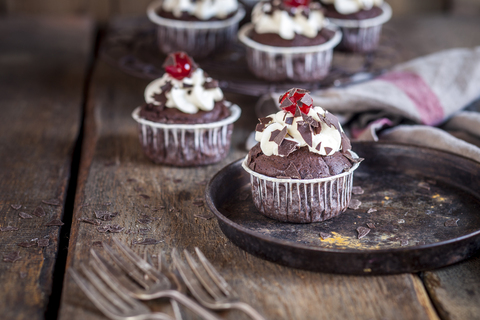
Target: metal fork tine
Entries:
(132, 272)
(139, 262)
(204, 277)
(216, 277)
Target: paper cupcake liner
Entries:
(301, 201)
(362, 35)
(197, 38)
(295, 63)
(186, 144)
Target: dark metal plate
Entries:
(418, 193)
(130, 45)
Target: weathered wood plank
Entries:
(114, 170)
(43, 65)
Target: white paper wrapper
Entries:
(295, 63)
(362, 35)
(301, 201)
(197, 38)
(186, 144)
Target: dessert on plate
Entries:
(302, 167)
(360, 21)
(185, 120)
(198, 27)
(289, 39)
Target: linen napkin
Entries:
(414, 99)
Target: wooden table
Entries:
(67, 139)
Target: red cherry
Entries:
(295, 96)
(179, 65)
(296, 3)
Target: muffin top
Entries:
(198, 9)
(288, 18)
(184, 94)
(353, 9)
(301, 141)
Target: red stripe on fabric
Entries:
(427, 103)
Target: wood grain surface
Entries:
(114, 170)
(42, 65)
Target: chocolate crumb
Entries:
(145, 219)
(97, 243)
(289, 120)
(147, 241)
(53, 202)
(371, 225)
(139, 189)
(452, 223)
(131, 231)
(292, 171)
(113, 228)
(107, 204)
(8, 228)
(198, 203)
(144, 196)
(357, 190)
(27, 244)
(325, 235)
(146, 206)
(204, 217)
(24, 215)
(39, 212)
(362, 232)
(90, 221)
(54, 222)
(403, 242)
(16, 206)
(177, 180)
(131, 180)
(424, 185)
(144, 230)
(12, 257)
(105, 215)
(354, 204)
(43, 242)
(371, 210)
(328, 150)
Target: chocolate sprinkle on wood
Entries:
(144, 230)
(403, 242)
(145, 219)
(90, 221)
(144, 196)
(357, 190)
(27, 244)
(105, 215)
(354, 204)
(424, 185)
(362, 232)
(24, 215)
(12, 257)
(452, 223)
(147, 241)
(371, 225)
(325, 235)
(54, 222)
(371, 210)
(113, 228)
(8, 228)
(39, 212)
(204, 217)
(16, 206)
(53, 202)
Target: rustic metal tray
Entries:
(428, 215)
(130, 45)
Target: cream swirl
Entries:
(268, 19)
(352, 6)
(324, 141)
(188, 95)
(202, 9)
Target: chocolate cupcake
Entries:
(289, 39)
(185, 121)
(198, 27)
(302, 168)
(360, 21)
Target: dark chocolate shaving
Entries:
(325, 235)
(305, 131)
(54, 222)
(105, 215)
(113, 228)
(362, 232)
(146, 241)
(39, 212)
(144, 196)
(319, 145)
(307, 99)
(349, 156)
(90, 221)
(161, 98)
(265, 120)
(371, 210)
(144, 230)
(16, 206)
(287, 147)
(187, 85)
(314, 123)
(298, 112)
(289, 120)
(317, 130)
(43, 242)
(278, 136)
(12, 257)
(328, 150)
(145, 219)
(260, 127)
(292, 171)
(53, 202)
(331, 120)
(210, 84)
(345, 143)
(27, 244)
(357, 190)
(286, 103)
(24, 215)
(371, 225)
(170, 61)
(354, 204)
(8, 228)
(452, 223)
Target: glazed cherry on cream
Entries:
(297, 97)
(296, 3)
(179, 65)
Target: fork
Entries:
(141, 280)
(208, 286)
(111, 301)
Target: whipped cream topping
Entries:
(282, 133)
(202, 9)
(272, 18)
(352, 6)
(188, 95)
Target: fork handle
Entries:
(188, 303)
(248, 309)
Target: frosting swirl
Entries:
(275, 18)
(201, 9)
(189, 95)
(282, 133)
(353, 6)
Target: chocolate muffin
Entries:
(360, 21)
(198, 27)
(289, 39)
(302, 168)
(185, 120)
